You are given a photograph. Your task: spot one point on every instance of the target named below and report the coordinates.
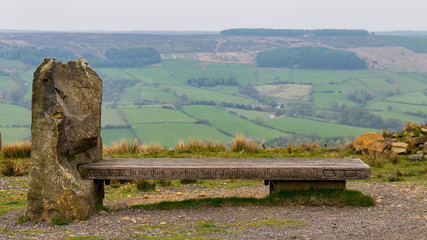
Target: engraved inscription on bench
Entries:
(262, 169)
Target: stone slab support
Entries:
(279, 185)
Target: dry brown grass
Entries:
(197, 145)
(127, 146)
(240, 143)
(16, 150)
(124, 146)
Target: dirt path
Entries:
(401, 213)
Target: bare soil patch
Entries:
(394, 59)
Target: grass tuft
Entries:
(240, 144)
(145, 185)
(127, 146)
(99, 207)
(124, 146)
(377, 159)
(60, 221)
(23, 219)
(312, 197)
(15, 167)
(16, 150)
(197, 145)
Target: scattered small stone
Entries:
(102, 213)
(416, 157)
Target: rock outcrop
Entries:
(65, 129)
(399, 147)
(369, 142)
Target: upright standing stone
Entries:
(65, 131)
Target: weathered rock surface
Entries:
(370, 142)
(425, 148)
(66, 123)
(416, 157)
(399, 147)
(421, 140)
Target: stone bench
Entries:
(66, 152)
(280, 174)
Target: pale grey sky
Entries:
(212, 15)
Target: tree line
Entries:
(212, 82)
(310, 58)
(34, 56)
(126, 58)
(293, 32)
(121, 58)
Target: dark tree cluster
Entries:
(360, 96)
(357, 116)
(293, 32)
(211, 82)
(126, 58)
(310, 58)
(113, 88)
(34, 56)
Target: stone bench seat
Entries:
(280, 174)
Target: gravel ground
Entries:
(401, 213)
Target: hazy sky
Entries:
(212, 15)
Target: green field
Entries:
(182, 70)
(324, 129)
(204, 94)
(323, 100)
(152, 75)
(252, 115)
(318, 76)
(400, 107)
(110, 136)
(6, 83)
(242, 73)
(110, 116)
(230, 123)
(405, 84)
(169, 134)
(401, 116)
(10, 135)
(11, 64)
(217, 71)
(155, 115)
(380, 84)
(114, 73)
(413, 97)
(269, 75)
(14, 115)
(147, 92)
